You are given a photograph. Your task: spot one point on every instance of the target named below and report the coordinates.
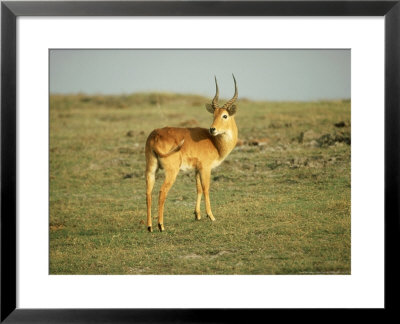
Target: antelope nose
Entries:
(212, 130)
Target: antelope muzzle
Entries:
(213, 131)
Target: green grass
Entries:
(281, 199)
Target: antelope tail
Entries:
(171, 151)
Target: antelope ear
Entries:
(210, 108)
(232, 110)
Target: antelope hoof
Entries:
(197, 215)
(149, 229)
(211, 218)
(161, 227)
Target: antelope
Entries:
(201, 149)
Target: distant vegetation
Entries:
(281, 199)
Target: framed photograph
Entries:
(197, 160)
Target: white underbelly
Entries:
(216, 163)
(186, 167)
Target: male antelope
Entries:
(201, 149)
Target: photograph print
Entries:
(202, 162)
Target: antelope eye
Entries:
(225, 116)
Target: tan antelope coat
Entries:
(200, 149)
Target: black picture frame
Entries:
(11, 10)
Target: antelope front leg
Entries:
(205, 176)
(199, 193)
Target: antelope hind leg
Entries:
(170, 176)
(151, 169)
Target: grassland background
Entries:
(281, 199)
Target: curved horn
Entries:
(230, 102)
(215, 100)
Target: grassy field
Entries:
(281, 199)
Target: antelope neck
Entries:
(226, 142)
